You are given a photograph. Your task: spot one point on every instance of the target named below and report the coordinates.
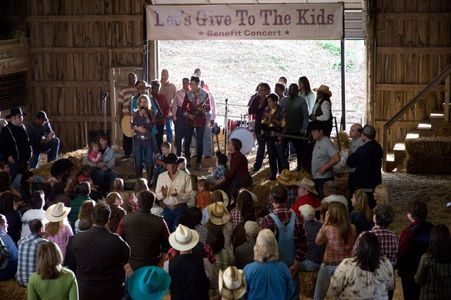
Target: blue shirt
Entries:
(271, 280)
(9, 243)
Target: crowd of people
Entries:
(79, 234)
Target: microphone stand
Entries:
(226, 124)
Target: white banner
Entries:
(245, 22)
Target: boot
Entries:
(139, 172)
(149, 176)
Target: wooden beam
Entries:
(399, 124)
(406, 87)
(414, 15)
(85, 18)
(68, 84)
(413, 50)
(80, 119)
(446, 107)
(84, 50)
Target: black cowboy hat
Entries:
(16, 111)
(171, 159)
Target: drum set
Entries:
(243, 130)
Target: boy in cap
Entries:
(43, 139)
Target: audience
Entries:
(8, 252)
(243, 213)
(382, 194)
(8, 207)
(36, 212)
(367, 275)
(83, 192)
(433, 275)
(361, 215)
(114, 200)
(315, 253)
(306, 195)
(219, 217)
(267, 277)
(84, 221)
(58, 230)
(149, 283)
(51, 280)
(232, 284)
(244, 253)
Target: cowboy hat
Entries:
(323, 89)
(148, 282)
(57, 212)
(308, 185)
(171, 159)
(15, 111)
(183, 238)
(232, 284)
(286, 178)
(218, 213)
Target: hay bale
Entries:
(431, 155)
(307, 282)
(11, 290)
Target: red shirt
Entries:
(311, 199)
(196, 103)
(238, 166)
(163, 104)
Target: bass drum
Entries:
(246, 137)
(126, 126)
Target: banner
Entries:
(245, 22)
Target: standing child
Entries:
(114, 200)
(160, 166)
(221, 168)
(203, 195)
(94, 154)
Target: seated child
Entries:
(203, 195)
(182, 164)
(160, 166)
(221, 168)
(118, 187)
(94, 153)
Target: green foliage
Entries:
(333, 47)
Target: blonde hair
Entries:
(52, 228)
(266, 248)
(111, 197)
(49, 260)
(339, 218)
(361, 204)
(141, 185)
(382, 194)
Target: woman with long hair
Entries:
(361, 215)
(267, 277)
(382, 194)
(84, 221)
(142, 124)
(368, 275)
(434, 271)
(114, 200)
(243, 212)
(339, 234)
(51, 280)
(306, 91)
(58, 230)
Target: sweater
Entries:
(62, 288)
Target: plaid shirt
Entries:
(203, 232)
(387, 240)
(237, 218)
(196, 104)
(28, 251)
(336, 249)
(300, 237)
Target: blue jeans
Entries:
(260, 153)
(171, 216)
(199, 141)
(169, 130)
(319, 185)
(179, 131)
(276, 157)
(207, 137)
(143, 154)
(51, 148)
(309, 266)
(103, 178)
(323, 281)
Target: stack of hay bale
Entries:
(429, 155)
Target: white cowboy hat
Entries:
(308, 185)
(232, 284)
(183, 238)
(57, 212)
(218, 213)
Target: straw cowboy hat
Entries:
(183, 238)
(232, 284)
(149, 283)
(218, 213)
(323, 89)
(308, 185)
(57, 212)
(286, 178)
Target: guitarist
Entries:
(125, 94)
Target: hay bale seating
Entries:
(429, 155)
(11, 290)
(307, 282)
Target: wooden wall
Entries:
(409, 44)
(73, 46)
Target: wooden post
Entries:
(447, 98)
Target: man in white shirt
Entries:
(177, 115)
(174, 189)
(36, 212)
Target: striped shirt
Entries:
(28, 250)
(124, 98)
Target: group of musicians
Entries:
(145, 115)
(281, 119)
